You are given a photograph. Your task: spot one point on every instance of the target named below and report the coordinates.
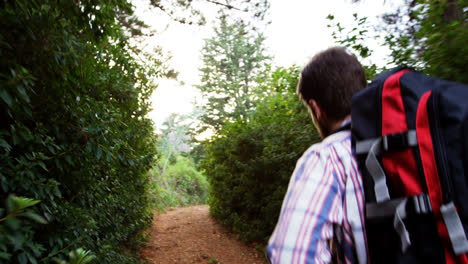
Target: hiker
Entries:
(323, 206)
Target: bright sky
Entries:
(298, 31)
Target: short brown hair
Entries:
(331, 78)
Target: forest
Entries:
(82, 167)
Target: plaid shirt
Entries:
(324, 201)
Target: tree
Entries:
(234, 60)
(74, 132)
(175, 138)
(430, 35)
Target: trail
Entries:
(190, 235)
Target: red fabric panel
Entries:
(400, 167)
(432, 177)
(462, 259)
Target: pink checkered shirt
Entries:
(324, 201)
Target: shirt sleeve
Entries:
(310, 208)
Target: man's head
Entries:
(327, 84)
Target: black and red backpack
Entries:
(410, 137)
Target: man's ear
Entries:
(316, 109)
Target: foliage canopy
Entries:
(430, 35)
(74, 134)
(234, 61)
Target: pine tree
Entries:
(233, 61)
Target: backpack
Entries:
(408, 136)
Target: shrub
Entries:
(74, 133)
(182, 184)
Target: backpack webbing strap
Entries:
(376, 171)
(455, 228)
(399, 225)
(392, 142)
(376, 147)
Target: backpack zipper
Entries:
(446, 184)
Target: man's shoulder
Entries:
(337, 145)
(340, 139)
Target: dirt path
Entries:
(190, 236)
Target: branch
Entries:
(225, 5)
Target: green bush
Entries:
(250, 162)
(181, 184)
(74, 133)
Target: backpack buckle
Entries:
(420, 204)
(399, 141)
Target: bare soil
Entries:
(191, 236)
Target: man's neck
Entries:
(336, 125)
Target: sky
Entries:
(297, 31)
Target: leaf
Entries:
(89, 147)
(98, 153)
(68, 159)
(80, 256)
(32, 259)
(15, 139)
(11, 206)
(14, 224)
(35, 217)
(6, 97)
(23, 93)
(57, 192)
(5, 255)
(43, 165)
(59, 261)
(19, 203)
(5, 145)
(22, 258)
